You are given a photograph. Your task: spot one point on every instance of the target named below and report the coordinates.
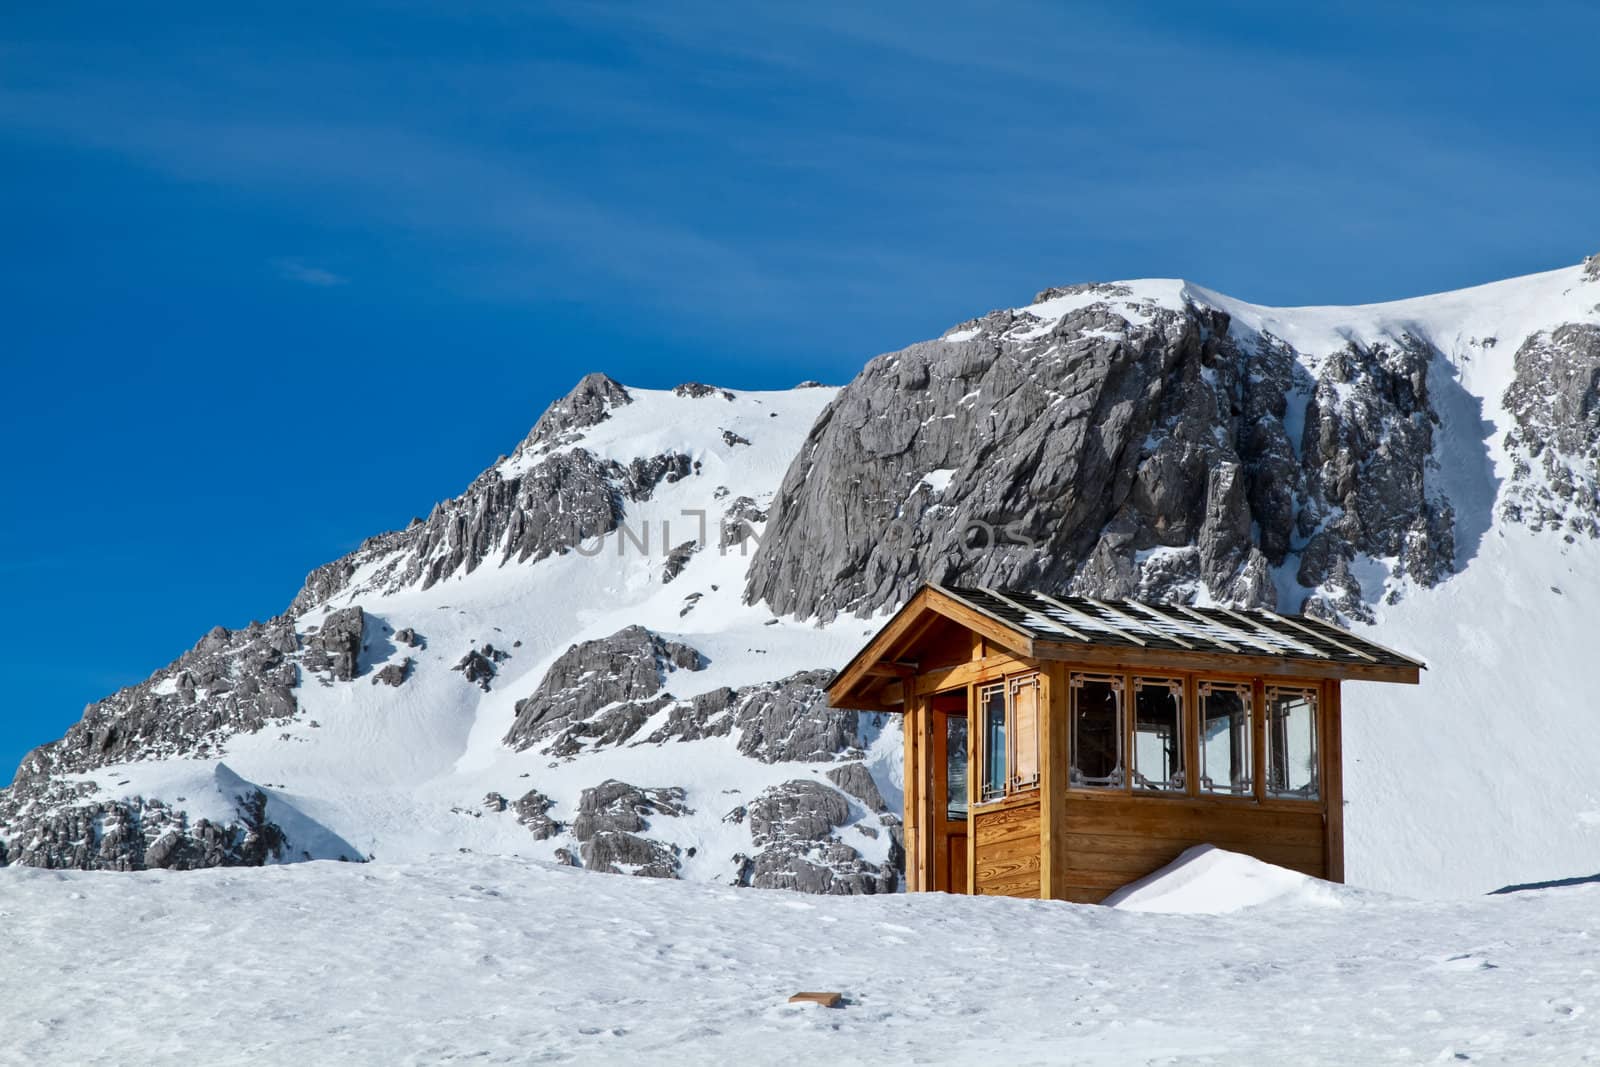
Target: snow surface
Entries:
(498, 960)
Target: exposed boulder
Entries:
(533, 811)
(677, 559)
(335, 647)
(739, 519)
(630, 665)
(793, 825)
(395, 674)
(856, 780)
(611, 817)
(699, 389)
(786, 720)
(479, 666)
(1555, 443)
(60, 831)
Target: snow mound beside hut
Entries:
(1206, 880)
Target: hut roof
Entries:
(1048, 626)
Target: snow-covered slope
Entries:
(497, 960)
(576, 660)
(421, 766)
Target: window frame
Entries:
(1313, 693)
(1254, 687)
(1252, 720)
(1119, 688)
(1178, 684)
(1011, 785)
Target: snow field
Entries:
(497, 960)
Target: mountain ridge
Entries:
(1148, 438)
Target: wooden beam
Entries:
(1103, 656)
(1257, 626)
(990, 625)
(1074, 612)
(987, 669)
(1188, 627)
(1269, 649)
(891, 670)
(845, 682)
(973, 789)
(1048, 621)
(1112, 609)
(1319, 636)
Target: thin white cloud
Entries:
(295, 271)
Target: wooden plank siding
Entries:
(1006, 849)
(1113, 839)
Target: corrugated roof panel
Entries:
(1175, 627)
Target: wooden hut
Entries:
(1061, 747)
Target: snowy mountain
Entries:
(587, 657)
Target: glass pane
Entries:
(1225, 740)
(1292, 743)
(1158, 734)
(955, 766)
(994, 741)
(1025, 732)
(1096, 732)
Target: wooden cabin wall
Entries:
(1080, 845)
(1094, 842)
(1006, 849)
(1113, 839)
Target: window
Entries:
(992, 699)
(1024, 732)
(1010, 717)
(1158, 740)
(1292, 743)
(955, 766)
(1096, 732)
(1225, 764)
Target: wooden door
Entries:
(949, 792)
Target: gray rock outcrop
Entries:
(335, 647)
(533, 811)
(611, 819)
(793, 825)
(1121, 449)
(57, 830)
(856, 780)
(232, 681)
(547, 498)
(629, 666)
(1555, 443)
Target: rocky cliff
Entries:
(1118, 444)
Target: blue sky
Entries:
(278, 277)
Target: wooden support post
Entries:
(1258, 740)
(909, 827)
(974, 787)
(927, 818)
(1332, 781)
(1053, 756)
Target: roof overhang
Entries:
(880, 677)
